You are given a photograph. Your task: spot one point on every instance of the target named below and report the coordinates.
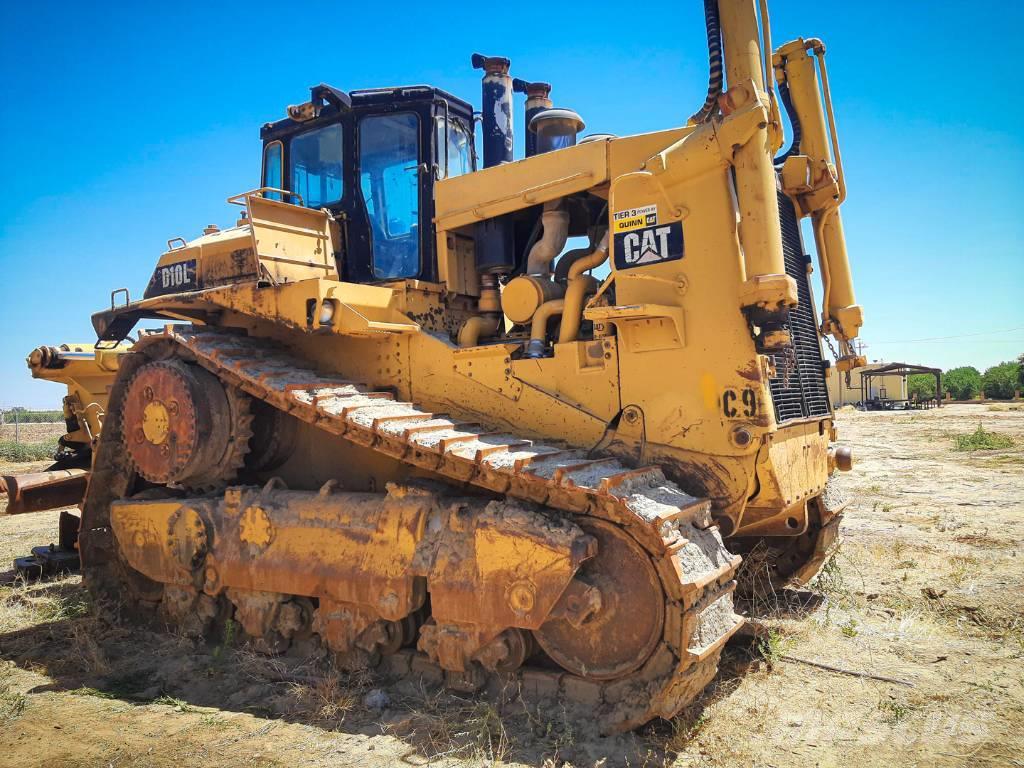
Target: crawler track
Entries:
(674, 529)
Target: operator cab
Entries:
(371, 158)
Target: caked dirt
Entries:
(908, 650)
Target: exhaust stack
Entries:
(496, 108)
(538, 98)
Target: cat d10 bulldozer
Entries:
(391, 409)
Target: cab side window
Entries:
(314, 159)
(272, 168)
(459, 157)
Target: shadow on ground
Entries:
(83, 654)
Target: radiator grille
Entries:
(804, 393)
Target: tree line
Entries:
(999, 382)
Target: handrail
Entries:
(241, 197)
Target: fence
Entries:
(17, 416)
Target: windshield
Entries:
(460, 157)
(315, 163)
(389, 182)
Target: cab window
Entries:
(315, 165)
(389, 180)
(460, 156)
(272, 168)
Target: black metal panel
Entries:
(799, 389)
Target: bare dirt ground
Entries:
(925, 595)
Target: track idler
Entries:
(180, 425)
(356, 568)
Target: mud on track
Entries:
(927, 590)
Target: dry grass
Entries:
(443, 726)
(325, 701)
(84, 639)
(24, 604)
(32, 433)
(926, 589)
(12, 702)
(686, 727)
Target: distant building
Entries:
(889, 386)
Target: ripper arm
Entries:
(817, 184)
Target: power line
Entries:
(951, 338)
(979, 341)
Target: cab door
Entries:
(392, 193)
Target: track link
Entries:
(675, 529)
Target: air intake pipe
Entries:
(496, 108)
(555, 129)
(538, 98)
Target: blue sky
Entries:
(127, 125)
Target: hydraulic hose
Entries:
(580, 285)
(716, 71)
(794, 121)
(570, 258)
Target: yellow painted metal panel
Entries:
(505, 188)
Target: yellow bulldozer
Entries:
(391, 409)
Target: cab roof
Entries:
(371, 98)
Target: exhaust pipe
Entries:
(40, 491)
(538, 98)
(496, 108)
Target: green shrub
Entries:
(12, 451)
(982, 440)
(962, 383)
(920, 386)
(1000, 381)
